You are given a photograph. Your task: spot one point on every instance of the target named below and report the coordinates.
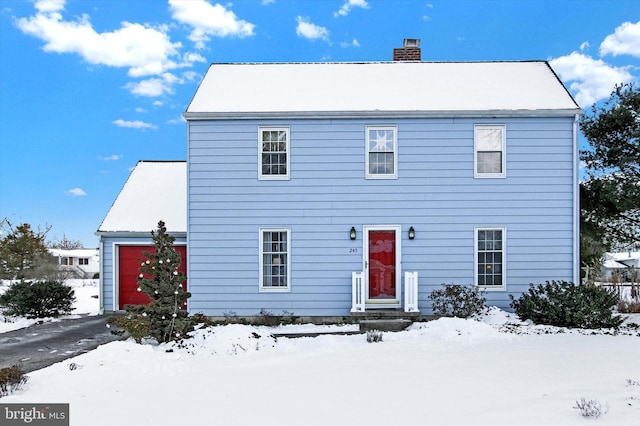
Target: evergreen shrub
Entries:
(456, 300)
(38, 299)
(564, 304)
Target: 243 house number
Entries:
(353, 250)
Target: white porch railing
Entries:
(411, 292)
(358, 296)
(357, 292)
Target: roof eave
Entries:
(256, 115)
(122, 234)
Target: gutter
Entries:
(283, 115)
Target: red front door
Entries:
(129, 258)
(382, 264)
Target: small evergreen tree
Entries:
(162, 281)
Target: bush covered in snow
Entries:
(38, 299)
(564, 304)
(457, 301)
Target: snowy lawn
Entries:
(87, 303)
(494, 371)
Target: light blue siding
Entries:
(435, 192)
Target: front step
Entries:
(384, 324)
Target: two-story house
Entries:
(322, 189)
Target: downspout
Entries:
(576, 203)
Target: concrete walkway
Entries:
(42, 345)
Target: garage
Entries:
(129, 258)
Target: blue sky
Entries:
(89, 87)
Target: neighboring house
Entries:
(81, 263)
(155, 190)
(621, 267)
(326, 189)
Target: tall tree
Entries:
(66, 244)
(610, 201)
(24, 253)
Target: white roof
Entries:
(155, 190)
(424, 88)
(74, 252)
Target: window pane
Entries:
(274, 259)
(489, 162)
(489, 139)
(490, 257)
(274, 152)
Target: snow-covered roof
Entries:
(155, 190)
(74, 252)
(622, 260)
(379, 88)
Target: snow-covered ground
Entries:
(493, 371)
(87, 303)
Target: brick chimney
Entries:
(410, 51)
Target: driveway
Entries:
(42, 345)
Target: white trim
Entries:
(115, 271)
(287, 130)
(393, 175)
(261, 286)
(365, 265)
(278, 115)
(503, 174)
(576, 203)
(502, 287)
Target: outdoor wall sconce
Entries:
(412, 233)
(352, 233)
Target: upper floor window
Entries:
(382, 152)
(274, 153)
(274, 259)
(489, 151)
(490, 258)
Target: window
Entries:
(490, 256)
(274, 260)
(274, 153)
(489, 152)
(83, 261)
(382, 158)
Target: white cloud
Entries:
(209, 20)
(113, 157)
(76, 192)
(178, 120)
(50, 5)
(143, 49)
(589, 79)
(584, 46)
(624, 41)
(311, 31)
(352, 43)
(137, 124)
(140, 110)
(350, 4)
(267, 2)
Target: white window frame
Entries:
(286, 176)
(502, 287)
(503, 150)
(263, 287)
(393, 175)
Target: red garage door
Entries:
(129, 259)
